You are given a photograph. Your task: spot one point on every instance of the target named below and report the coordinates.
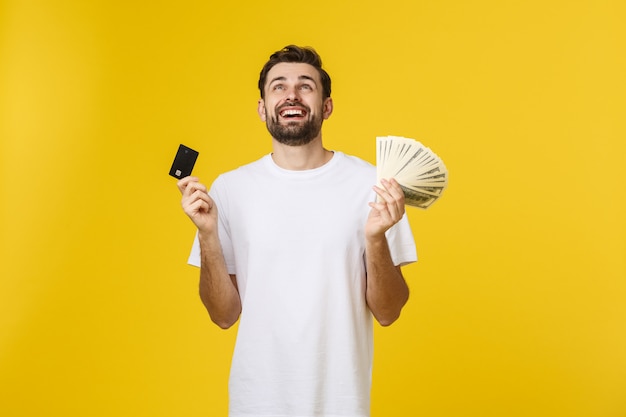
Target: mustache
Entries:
(292, 104)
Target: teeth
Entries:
(292, 112)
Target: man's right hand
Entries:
(197, 204)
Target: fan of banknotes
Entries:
(419, 171)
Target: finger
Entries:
(394, 189)
(382, 193)
(201, 194)
(396, 193)
(391, 201)
(198, 206)
(382, 210)
(193, 187)
(189, 201)
(387, 195)
(197, 203)
(184, 182)
(383, 203)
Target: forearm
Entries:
(218, 290)
(386, 290)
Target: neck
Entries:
(299, 158)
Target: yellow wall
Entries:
(518, 303)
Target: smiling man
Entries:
(294, 116)
(304, 250)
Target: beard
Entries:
(294, 133)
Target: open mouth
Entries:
(292, 113)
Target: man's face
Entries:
(293, 108)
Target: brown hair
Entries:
(297, 54)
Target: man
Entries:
(304, 248)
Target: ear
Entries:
(328, 107)
(261, 109)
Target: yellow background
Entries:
(518, 304)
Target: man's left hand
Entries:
(387, 210)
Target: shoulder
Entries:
(243, 172)
(355, 165)
(353, 161)
(229, 183)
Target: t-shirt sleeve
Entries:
(194, 256)
(219, 196)
(401, 243)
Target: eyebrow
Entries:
(300, 78)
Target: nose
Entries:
(292, 95)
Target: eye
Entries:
(306, 87)
(278, 87)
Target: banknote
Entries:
(421, 173)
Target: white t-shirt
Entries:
(295, 240)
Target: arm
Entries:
(218, 289)
(386, 291)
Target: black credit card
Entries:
(183, 162)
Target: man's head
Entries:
(296, 54)
(295, 96)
